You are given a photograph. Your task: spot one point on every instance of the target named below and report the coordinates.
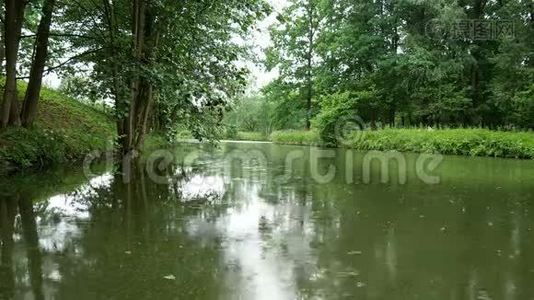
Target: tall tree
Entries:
(14, 17)
(31, 99)
(163, 61)
(294, 49)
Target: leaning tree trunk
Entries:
(31, 99)
(12, 30)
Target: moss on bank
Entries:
(467, 142)
(65, 131)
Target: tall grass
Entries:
(251, 136)
(467, 142)
(296, 137)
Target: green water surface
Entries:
(218, 225)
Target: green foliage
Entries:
(333, 108)
(296, 137)
(250, 114)
(231, 131)
(30, 148)
(405, 63)
(467, 142)
(65, 131)
(156, 141)
(250, 136)
(190, 60)
(470, 142)
(287, 110)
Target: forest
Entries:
(444, 64)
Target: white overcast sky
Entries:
(259, 39)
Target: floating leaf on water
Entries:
(169, 277)
(348, 274)
(128, 252)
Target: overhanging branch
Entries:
(66, 62)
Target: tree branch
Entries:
(66, 62)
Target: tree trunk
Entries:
(138, 43)
(31, 99)
(309, 58)
(12, 30)
(2, 47)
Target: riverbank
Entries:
(64, 132)
(466, 142)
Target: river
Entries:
(264, 221)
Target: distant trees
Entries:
(411, 63)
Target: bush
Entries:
(333, 109)
(231, 132)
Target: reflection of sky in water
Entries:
(262, 243)
(199, 186)
(261, 255)
(64, 212)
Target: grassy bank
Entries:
(296, 137)
(467, 142)
(65, 131)
(233, 136)
(249, 136)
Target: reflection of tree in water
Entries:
(9, 277)
(122, 238)
(7, 220)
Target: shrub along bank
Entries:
(468, 142)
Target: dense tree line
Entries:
(404, 63)
(157, 62)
